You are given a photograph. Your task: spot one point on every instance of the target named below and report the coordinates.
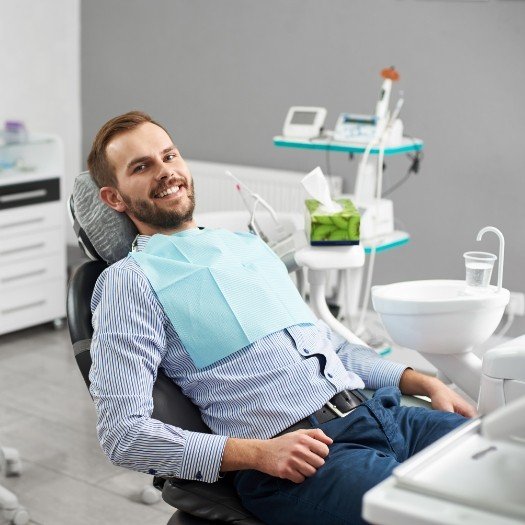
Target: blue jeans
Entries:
(368, 444)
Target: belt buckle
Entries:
(336, 411)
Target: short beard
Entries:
(149, 214)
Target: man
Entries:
(266, 402)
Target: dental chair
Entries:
(105, 236)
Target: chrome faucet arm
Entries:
(501, 250)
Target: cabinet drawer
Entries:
(29, 193)
(25, 247)
(32, 272)
(19, 221)
(30, 305)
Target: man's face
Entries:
(154, 184)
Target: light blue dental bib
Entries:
(221, 290)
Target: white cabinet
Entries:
(32, 234)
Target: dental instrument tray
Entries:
(471, 470)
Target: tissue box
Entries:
(334, 229)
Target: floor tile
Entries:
(64, 399)
(55, 499)
(59, 449)
(130, 484)
(9, 414)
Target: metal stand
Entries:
(318, 260)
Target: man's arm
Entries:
(128, 345)
(377, 372)
(294, 456)
(441, 396)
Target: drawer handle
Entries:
(23, 195)
(23, 307)
(21, 223)
(22, 276)
(23, 248)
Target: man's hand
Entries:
(294, 456)
(441, 396)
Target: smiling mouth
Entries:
(170, 191)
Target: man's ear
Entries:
(112, 198)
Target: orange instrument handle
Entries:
(391, 73)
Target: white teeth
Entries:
(169, 191)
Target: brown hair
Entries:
(101, 170)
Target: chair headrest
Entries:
(102, 233)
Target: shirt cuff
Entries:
(385, 373)
(202, 456)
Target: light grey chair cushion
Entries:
(110, 232)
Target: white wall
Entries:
(40, 71)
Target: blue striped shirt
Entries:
(254, 393)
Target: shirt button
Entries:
(306, 351)
(198, 475)
(152, 471)
(329, 375)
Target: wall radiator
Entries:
(282, 189)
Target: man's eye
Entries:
(170, 156)
(139, 168)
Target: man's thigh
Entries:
(333, 495)
(409, 429)
(420, 427)
(359, 458)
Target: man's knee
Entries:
(430, 426)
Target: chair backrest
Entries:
(170, 404)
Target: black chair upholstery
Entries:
(199, 503)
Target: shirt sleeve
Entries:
(127, 348)
(375, 371)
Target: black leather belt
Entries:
(339, 406)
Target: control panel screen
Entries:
(303, 118)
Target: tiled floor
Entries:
(47, 414)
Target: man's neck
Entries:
(146, 229)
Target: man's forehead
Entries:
(144, 140)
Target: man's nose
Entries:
(163, 171)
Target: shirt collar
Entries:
(139, 243)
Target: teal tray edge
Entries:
(415, 146)
(387, 247)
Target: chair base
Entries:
(182, 518)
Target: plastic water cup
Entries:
(478, 267)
